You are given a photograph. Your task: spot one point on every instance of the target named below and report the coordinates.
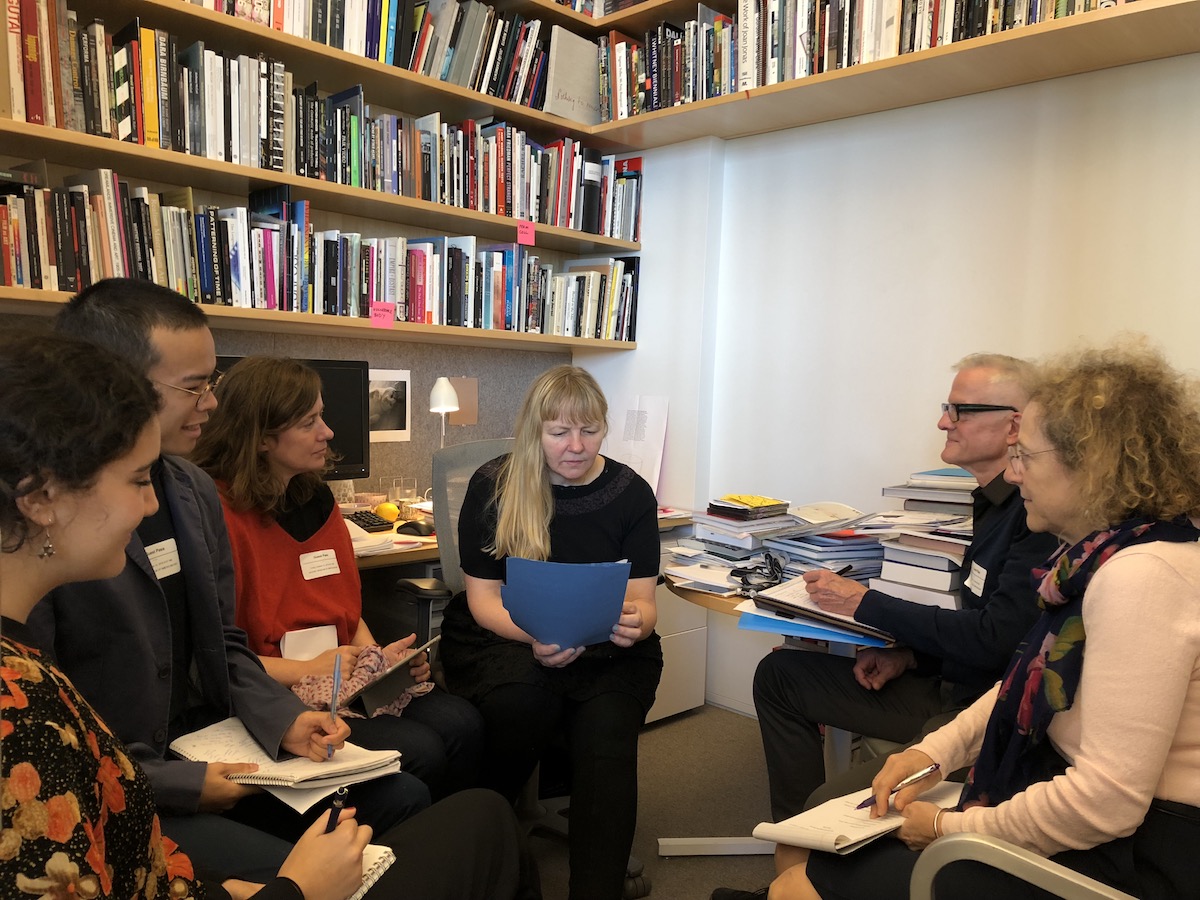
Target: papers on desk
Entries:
(709, 578)
(569, 604)
(367, 543)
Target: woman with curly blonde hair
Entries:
(1088, 750)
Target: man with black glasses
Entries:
(943, 659)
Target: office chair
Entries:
(991, 851)
(452, 470)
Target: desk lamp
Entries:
(443, 399)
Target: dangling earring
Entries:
(47, 550)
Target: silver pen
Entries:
(905, 782)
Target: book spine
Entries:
(31, 64)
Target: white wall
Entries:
(859, 259)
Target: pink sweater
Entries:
(1134, 731)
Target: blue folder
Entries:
(569, 604)
(796, 628)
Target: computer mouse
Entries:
(421, 527)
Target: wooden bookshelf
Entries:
(86, 151)
(1131, 33)
(25, 301)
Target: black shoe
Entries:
(731, 894)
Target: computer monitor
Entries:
(344, 389)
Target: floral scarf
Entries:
(1044, 674)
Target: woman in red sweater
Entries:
(267, 445)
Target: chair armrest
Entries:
(1000, 854)
(424, 588)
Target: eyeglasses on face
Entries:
(199, 394)
(1017, 456)
(957, 410)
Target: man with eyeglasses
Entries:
(155, 649)
(943, 659)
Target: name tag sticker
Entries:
(164, 558)
(318, 564)
(978, 577)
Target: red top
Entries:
(273, 594)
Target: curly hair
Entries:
(260, 397)
(67, 409)
(1129, 426)
(524, 500)
(121, 314)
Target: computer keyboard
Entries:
(369, 521)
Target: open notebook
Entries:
(376, 860)
(229, 741)
(837, 827)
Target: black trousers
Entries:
(795, 690)
(466, 847)
(1156, 862)
(252, 839)
(522, 720)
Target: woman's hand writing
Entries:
(328, 866)
(898, 767)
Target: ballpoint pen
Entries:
(335, 810)
(911, 779)
(333, 703)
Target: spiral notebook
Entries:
(376, 860)
(229, 741)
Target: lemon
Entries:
(388, 511)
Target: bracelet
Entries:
(937, 821)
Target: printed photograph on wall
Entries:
(388, 408)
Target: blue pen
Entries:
(333, 703)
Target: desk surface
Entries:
(400, 557)
(701, 598)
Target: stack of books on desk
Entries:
(854, 555)
(945, 490)
(924, 567)
(735, 526)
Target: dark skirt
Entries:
(476, 661)
(1156, 862)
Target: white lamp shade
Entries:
(443, 398)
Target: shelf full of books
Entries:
(270, 258)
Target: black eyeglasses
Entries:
(956, 410)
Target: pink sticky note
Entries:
(383, 315)
(525, 233)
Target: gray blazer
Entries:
(113, 639)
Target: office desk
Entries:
(402, 557)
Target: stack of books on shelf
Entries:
(250, 110)
(945, 490)
(924, 567)
(268, 254)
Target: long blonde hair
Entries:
(524, 501)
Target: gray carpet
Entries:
(701, 774)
